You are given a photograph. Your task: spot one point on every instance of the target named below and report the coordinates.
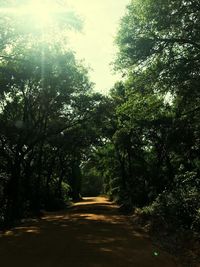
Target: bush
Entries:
(181, 205)
(57, 202)
(196, 222)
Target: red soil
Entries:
(91, 234)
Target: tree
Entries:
(154, 141)
(47, 121)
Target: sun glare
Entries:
(52, 21)
(40, 12)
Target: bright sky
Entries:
(96, 43)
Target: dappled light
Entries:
(99, 133)
(81, 237)
(20, 231)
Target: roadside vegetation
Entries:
(140, 145)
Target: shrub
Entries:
(181, 205)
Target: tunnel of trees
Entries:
(139, 145)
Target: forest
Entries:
(139, 145)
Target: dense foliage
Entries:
(142, 142)
(151, 157)
(48, 118)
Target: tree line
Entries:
(151, 157)
(139, 145)
(48, 117)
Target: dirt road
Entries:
(91, 234)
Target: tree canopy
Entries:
(140, 145)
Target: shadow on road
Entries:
(91, 234)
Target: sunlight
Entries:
(41, 12)
(100, 18)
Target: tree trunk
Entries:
(14, 211)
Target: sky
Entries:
(96, 42)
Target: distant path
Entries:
(91, 234)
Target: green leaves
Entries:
(48, 120)
(161, 37)
(156, 107)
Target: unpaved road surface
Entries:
(91, 234)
